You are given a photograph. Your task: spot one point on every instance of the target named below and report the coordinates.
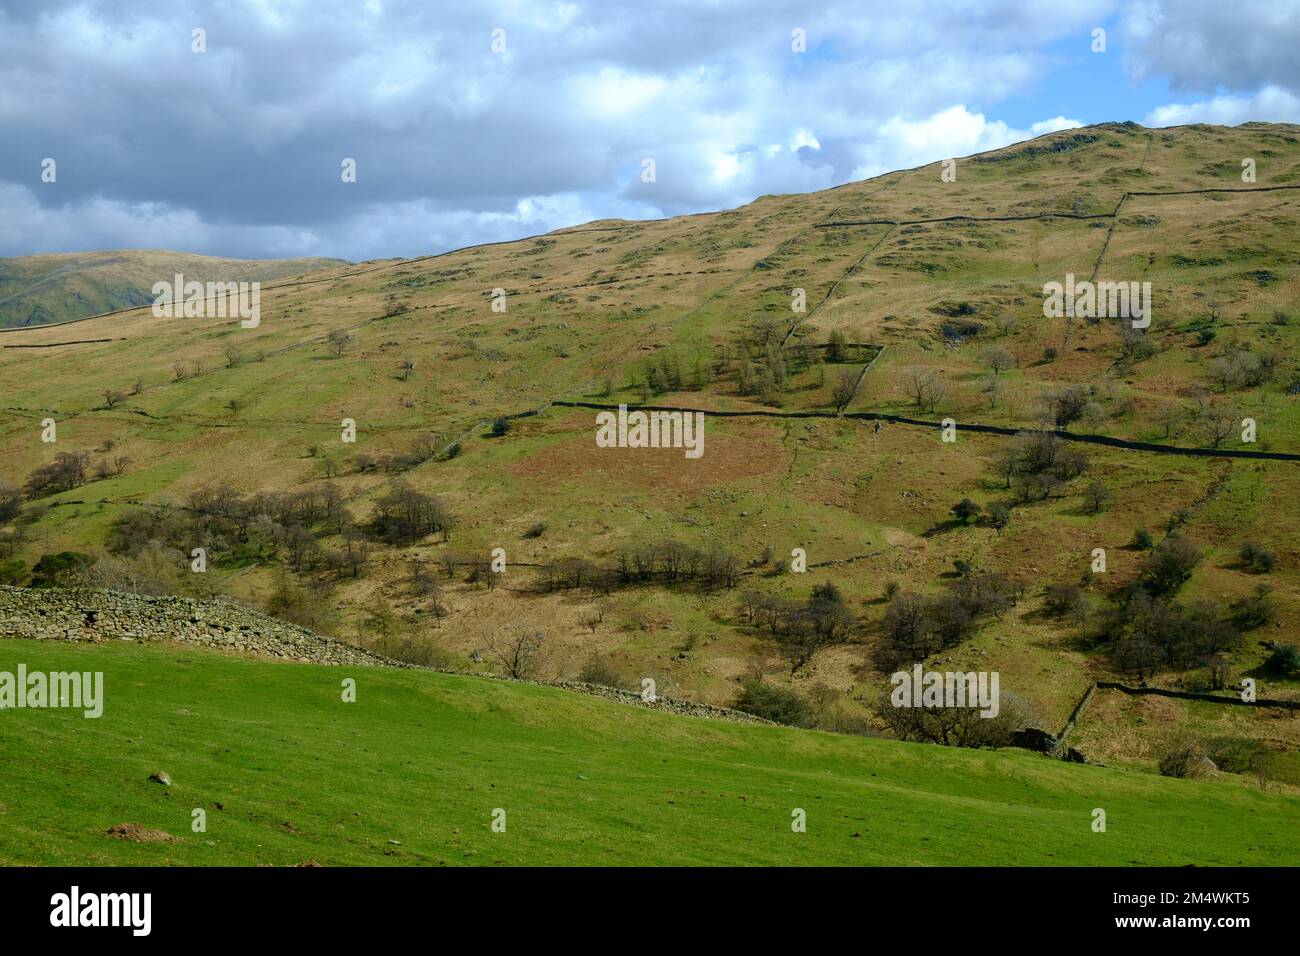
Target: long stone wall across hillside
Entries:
(90, 614)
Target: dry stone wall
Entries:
(91, 614)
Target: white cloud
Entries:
(1271, 104)
(457, 145)
(948, 134)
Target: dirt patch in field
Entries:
(898, 538)
(135, 833)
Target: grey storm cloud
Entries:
(237, 151)
(1208, 45)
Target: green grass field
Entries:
(424, 759)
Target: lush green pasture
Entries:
(423, 759)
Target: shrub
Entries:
(60, 570)
(12, 571)
(778, 704)
(1036, 464)
(1169, 565)
(959, 726)
(1097, 498)
(500, 427)
(66, 471)
(1255, 610)
(1239, 754)
(411, 650)
(536, 531)
(1257, 558)
(1142, 539)
(599, 671)
(1183, 758)
(11, 502)
(1285, 659)
(1063, 598)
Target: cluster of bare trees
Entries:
(1036, 465)
(307, 506)
(959, 726)
(666, 562)
(1148, 629)
(277, 526)
(425, 448)
(68, 470)
(219, 519)
(1243, 369)
(924, 386)
(404, 515)
(801, 629)
(762, 367)
(65, 472)
(916, 626)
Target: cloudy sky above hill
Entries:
(237, 151)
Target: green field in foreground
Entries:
(424, 758)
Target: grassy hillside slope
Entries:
(592, 310)
(423, 759)
(43, 289)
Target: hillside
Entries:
(939, 285)
(411, 773)
(47, 289)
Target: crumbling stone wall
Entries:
(91, 614)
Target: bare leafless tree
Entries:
(844, 386)
(924, 386)
(1217, 423)
(997, 358)
(519, 652)
(338, 340)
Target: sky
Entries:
(499, 119)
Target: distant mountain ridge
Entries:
(47, 289)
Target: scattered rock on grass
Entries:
(138, 834)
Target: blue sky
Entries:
(236, 150)
(1090, 87)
